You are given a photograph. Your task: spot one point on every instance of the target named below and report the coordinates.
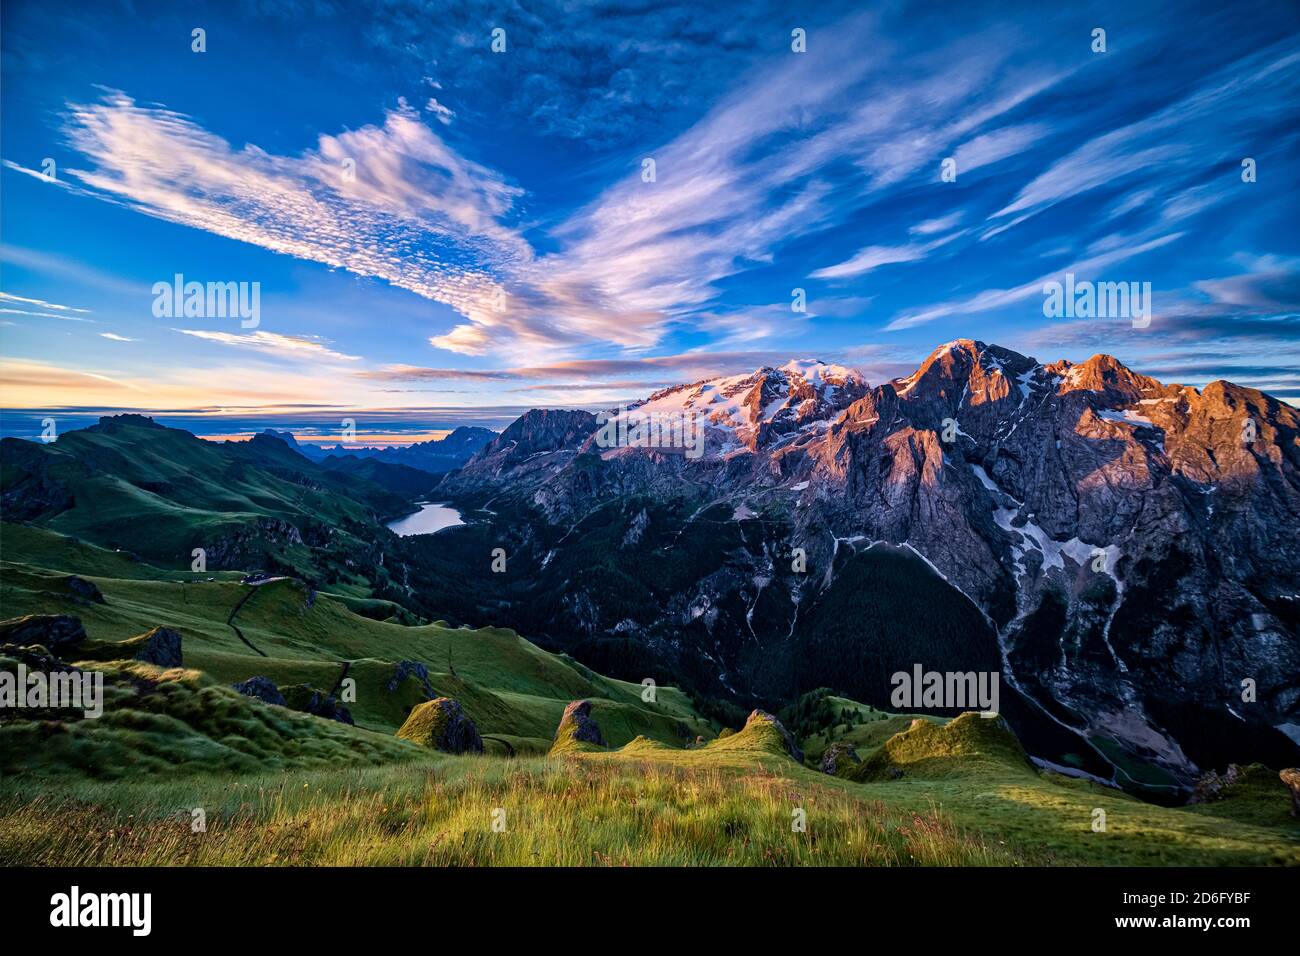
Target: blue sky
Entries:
(498, 247)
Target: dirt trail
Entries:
(235, 627)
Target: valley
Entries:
(735, 622)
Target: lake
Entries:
(430, 518)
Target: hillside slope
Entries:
(128, 483)
(1132, 547)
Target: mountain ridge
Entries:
(1119, 533)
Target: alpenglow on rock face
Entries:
(1132, 547)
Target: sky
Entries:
(627, 196)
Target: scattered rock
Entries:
(895, 773)
(37, 659)
(404, 669)
(578, 724)
(791, 745)
(1210, 786)
(263, 688)
(442, 724)
(160, 647)
(837, 756)
(1291, 777)
(310, 700)
(55, 632)
(83, 591)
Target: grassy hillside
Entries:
(401, 479)
(278, 786)
(736, 801)
(130, 484)
(296, 636)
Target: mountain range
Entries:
(436, 456)
(1126, 552)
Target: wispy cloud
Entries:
(873, 257)
(40, 303)
(284, 346)
(1181, 140)
(47, 315)
(774, 170)
(989, 299)
(393, 201)
(683, 366)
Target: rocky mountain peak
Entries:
(1107, 376)
(529, 440)
(544, 429)
(111, 422)
(1104, 523)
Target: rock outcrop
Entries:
(1291, 777)
(404, 670)
(263, 688)
(160, 647)
(837, 757)
(57, 633)
(1211, 786)
(83, 591)
(311, 700)
(789, 744)
(442, 724)
(577, 726)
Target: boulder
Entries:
(404, 669)
(83, 591)
(55, 632)
(316, 702)
(791, 745)
(1210, 786)
(578, 725)
(160, 647)
(263, 688)
(837, 757)
(1291, 777)
(442, 724)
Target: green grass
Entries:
(508, 686)
(167, 723)
(161, 492)
(730, 802)
(554, 812)
(281, 787)
(876, 727)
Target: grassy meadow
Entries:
(281, 787)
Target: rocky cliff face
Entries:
(551, 435)
(1135, 546)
